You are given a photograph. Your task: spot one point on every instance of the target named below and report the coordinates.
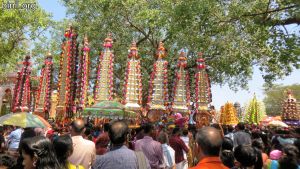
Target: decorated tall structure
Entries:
(255, 111)
(43, 97)
(22, 98)
(133, 81)
(203, 95)
(228, 115)
(67, 75)
(104, 83)
(158, 88)
(180, 99)
(291, 110)
(83, 75)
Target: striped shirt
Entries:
(152, 150)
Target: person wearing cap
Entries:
(84, 151)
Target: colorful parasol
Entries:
(108, 109)
(24, 120)
(277, 123)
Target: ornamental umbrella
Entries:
(108, 109)
(24, 120)
(277, 123)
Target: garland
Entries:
(96, 90)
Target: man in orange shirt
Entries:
(209, 141)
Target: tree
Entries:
(234, 35)
(17, 28)
(276, 95)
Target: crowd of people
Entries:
(114, 145)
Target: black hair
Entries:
(118, 131)
(106, 127)
(230, 128)
(241, 126)
(289, 159)
(8, 161)
(185, 132)
(246, 155)
(227, 144)
(258, 144)
(148, 128)
(63, 146)
(210, 141)
(227, 158)
(41, 148)
(176, 130)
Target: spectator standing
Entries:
(240, 136)
(13, 140)
(119, 156)
(102, 141)
(63, 147)
(209, 142)
(84, 151)
(179, 146)
(169, 153)
(151, 148)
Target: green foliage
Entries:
(17, 28)
(234, 35)
(276, 95)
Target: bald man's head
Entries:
(77, 126)
(210, 141)
(117, 132)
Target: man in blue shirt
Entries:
(119, 156)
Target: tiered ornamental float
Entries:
(43, 97)
(180, 99)
(291, 110)
(104, 83)
(105, 108)
(132, 91)
(83, 75)
(67, 75)
(228, 115)
(158, 88)
(203, 96)
(255, 111)
(238, 109)
(22, 98)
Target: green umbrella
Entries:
(109, 109)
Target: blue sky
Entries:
(220, 94)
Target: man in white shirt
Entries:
(168, 151)
(84, 152)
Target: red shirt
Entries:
(179, 146)
(210, 163)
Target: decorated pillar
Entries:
(290, 110)
(43, 97)
(228, 115)
(83, 75)
(180, 99)
(104, 83)
(203, 95)
(158, 87)
(22, 99)
(67, 75)
(133, 81)
(255, 111)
